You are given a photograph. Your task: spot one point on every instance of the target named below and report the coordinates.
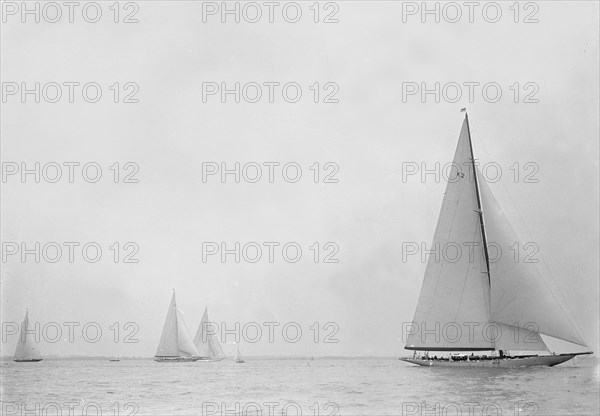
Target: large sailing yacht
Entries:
(176, 344)
(484, 303)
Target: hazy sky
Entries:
(368, 134)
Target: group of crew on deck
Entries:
(462, 357)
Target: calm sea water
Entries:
(294, 386)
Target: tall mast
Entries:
(479, 206)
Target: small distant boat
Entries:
(114, 361)
(176, 344)
(475, 292)
(238, 357)
(207, 343)
(26, 351)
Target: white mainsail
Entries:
(480, 289)
(27, 349)
(206, 342)
(455, 292)
(175, 340)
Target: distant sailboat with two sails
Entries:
(176, 343)
(27, 350)
(206, 342)
(483, 302)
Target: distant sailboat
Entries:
(176, 344)
(463, 296)
(207, 343)
(27, 351)
(238, 357)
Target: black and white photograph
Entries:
(300, 208)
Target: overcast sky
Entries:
(368, 134)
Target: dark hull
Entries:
(176, 359)
(30, 360)
(506, 362)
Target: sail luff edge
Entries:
(479, 204)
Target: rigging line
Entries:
(562, 303)
(479, 205)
